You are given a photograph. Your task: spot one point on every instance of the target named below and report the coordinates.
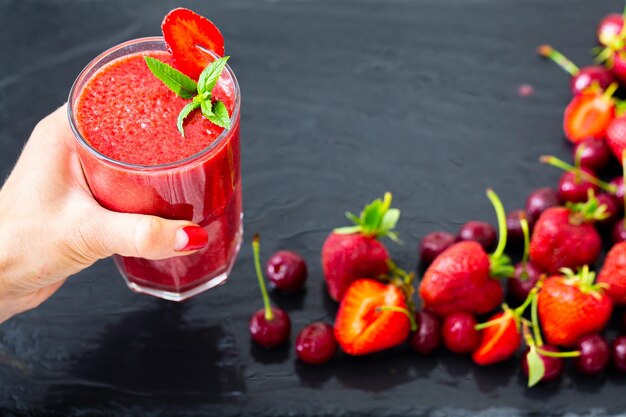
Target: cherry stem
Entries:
(611, 89)
(572, 354)
(578, 156)
(269, 314)
(558, 58)
(558, 163)
(402, 310)
(506, 316)
(526, 231)
(535, 318)
(520, 310)
(497, 205)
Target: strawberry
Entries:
(372, 316)
(571, 306)
(355, 252)
(613, 274)
(564, 237)
(589, 114)
(460, 279)
(616, 136)
(189, 36)
(500, 337)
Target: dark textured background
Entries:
(342, 100)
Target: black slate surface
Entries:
(342, 100)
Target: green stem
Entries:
(269, 314)
(497, 205)
(493, 322)
(611, 89)
(558, 58)
(558, 163)
(535, 318)
(526, 232)
(572, 354)
(520, 310)
(404, 311)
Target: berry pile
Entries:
(557, 308)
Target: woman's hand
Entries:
(51, 227)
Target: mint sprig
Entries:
(200, 93)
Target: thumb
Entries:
(142, 236)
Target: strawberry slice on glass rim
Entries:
(189, 38)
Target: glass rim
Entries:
(83, 142)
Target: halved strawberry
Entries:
(500, 338)
(362, 327)
(589, 114)
(188, 36)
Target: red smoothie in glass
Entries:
(135, 160)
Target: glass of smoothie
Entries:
(136, 161)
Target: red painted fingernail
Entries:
(191, 238)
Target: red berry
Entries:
(594, 154)
(618, 353)
(286, 271)
(270, 333)
(594, 354)
(618, 234)
(514, 232)
(609, 28)
(589, 76)
(575, 189)
(316, 343)
(427, 338)
(481, 232)
(553, 366)
(459, 334)
(433, 244)
(518, 287)
(538, 201)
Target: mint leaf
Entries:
(207, 108)
(210, 75)
(220, 115)
(536, 367)
(183, 115)
(175, 80)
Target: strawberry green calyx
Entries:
(376, 220)
(587, 212)
(558, 163)
(403, 280)
(613, 45)
(558, 58)
(584, 279)
(500, 264)
(269, 314)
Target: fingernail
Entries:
(190, 238)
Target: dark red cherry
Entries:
(553, 366)
(575, 189)
(594, 154)
(286, 271)
(316, 343)
(618, 353)
(618, 234)
(270, 333)
(609, 29)
(594, 354)
(519, 285)
(591, 76)
(481, 232)
(459, 333)
(433, 244)
(427, 338)
(514, 232)
(540, 200)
